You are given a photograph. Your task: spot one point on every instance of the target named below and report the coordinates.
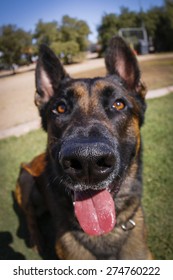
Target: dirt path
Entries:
(18, 112)
(17, 94)
(16, 100)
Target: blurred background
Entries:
(72, 28)
(79, 32)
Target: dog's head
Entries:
(93, 130)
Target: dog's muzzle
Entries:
(92, 166)
(87, 161)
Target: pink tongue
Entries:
(95, 211)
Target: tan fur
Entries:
(36, 166)
(135, 246)
(47, 185)
(81, 92)
(137, 133)
(68, 248)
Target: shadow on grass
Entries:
(47, 251)
(7, 252)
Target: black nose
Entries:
(88, 162)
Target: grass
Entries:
(162, 69)
(158, 175)
(158, 182)
(13, 151)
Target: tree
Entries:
(46, 32)
(68, 29)
(83, 31)
(159, 25)
(111, 23)
(169, 17)
(169, 11)
(107, 29)
(158, 22)
(65, 50)
(14, 42)
(76, 30)
(128, 18)
(67, 39)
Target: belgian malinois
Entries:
(90, 177)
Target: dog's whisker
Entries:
(91, 168)
(51, 181)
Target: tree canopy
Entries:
(46, 32)
(14, 42)
(158, 22)
(69, 37)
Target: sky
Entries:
(25, 14)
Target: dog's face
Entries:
(93, 130)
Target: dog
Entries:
(89, 179)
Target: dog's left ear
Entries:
(121, 60)
(49, 74)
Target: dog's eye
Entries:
(118, 105)
(61, 108)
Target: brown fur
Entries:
(44, 185)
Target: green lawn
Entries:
(158, 182)
(158, 175)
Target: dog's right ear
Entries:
(120, 60)
(49, 74)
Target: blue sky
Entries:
(25, 14)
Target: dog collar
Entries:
(129, 225)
